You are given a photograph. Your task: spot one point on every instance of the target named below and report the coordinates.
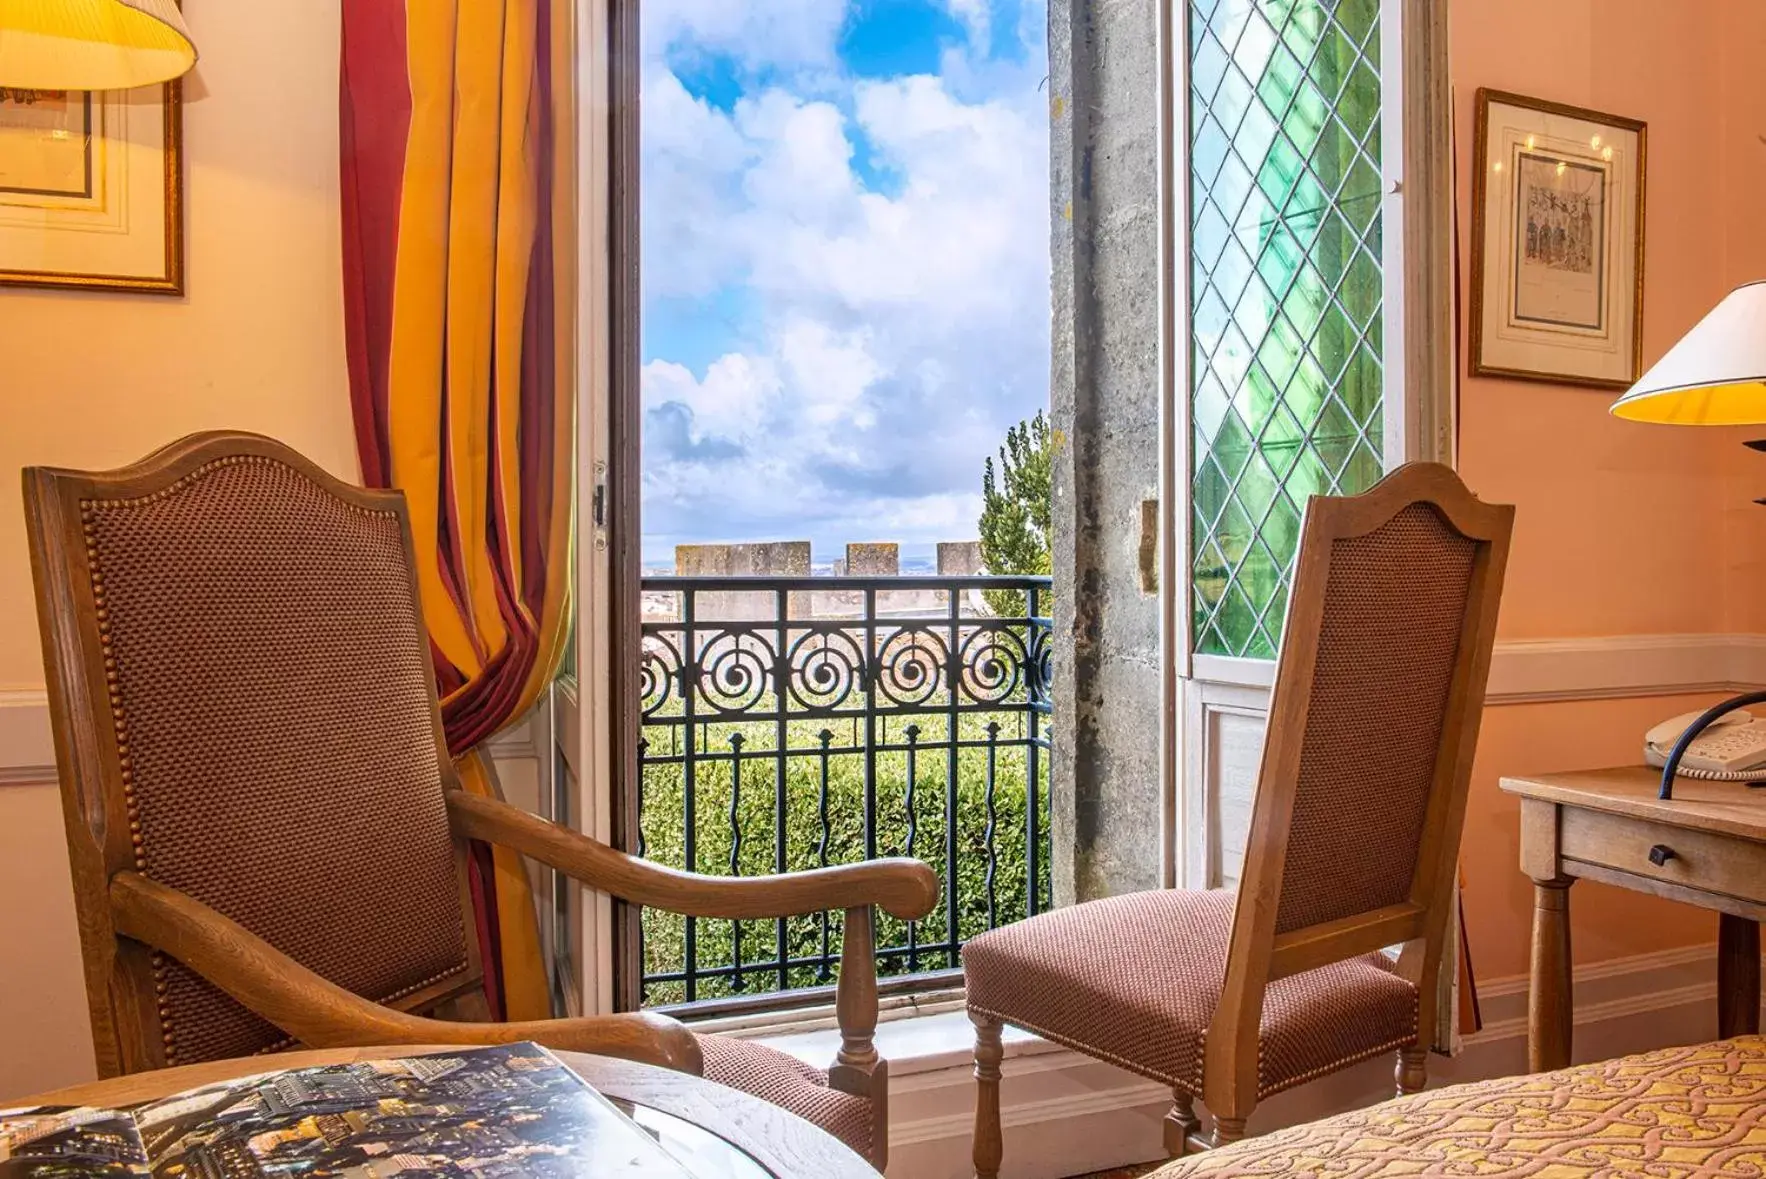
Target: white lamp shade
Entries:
(1715, 376)
(92, 44)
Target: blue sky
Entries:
(845, 264)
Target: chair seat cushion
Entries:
(1680, 1111)
(790, 1084)
(1134, 980)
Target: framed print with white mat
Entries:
(91, 189)
(1557, 243)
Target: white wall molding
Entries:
(27, 750)
(27, 746)
(1525, 671)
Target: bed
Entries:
(1698, 1111)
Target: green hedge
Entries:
(757, 821)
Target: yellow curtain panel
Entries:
(452, 308)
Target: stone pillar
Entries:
(959, 558)
(875, 559)
(1104, 392)
(785, 558)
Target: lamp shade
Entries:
(1715, 376)
(92, 44)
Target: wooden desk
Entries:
(1608, 825)
(712, 1130)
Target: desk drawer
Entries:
(1709, 863)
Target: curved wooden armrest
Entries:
(906, 889)
(321, 1014)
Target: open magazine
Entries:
(488, 1112)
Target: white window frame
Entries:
(1203, 694)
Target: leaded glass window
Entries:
(1285, 323)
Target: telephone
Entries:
(1733, 749)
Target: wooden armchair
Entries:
(267, 837)
(1354, 840)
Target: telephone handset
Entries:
(1733, 749)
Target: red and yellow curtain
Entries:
(452, 310)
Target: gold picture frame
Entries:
(1558, 199)
(124, 231)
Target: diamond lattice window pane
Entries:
(1285, 307)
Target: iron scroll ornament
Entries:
(1710, 717)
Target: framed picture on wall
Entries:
(91, 189)
(1557, 243)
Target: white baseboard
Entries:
(1065, 1114)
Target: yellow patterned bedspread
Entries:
(1697, 1111)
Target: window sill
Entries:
(922, 1042)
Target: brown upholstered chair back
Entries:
(1374, 718)
(245, 711)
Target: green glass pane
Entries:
(1208, 64)
(1362, 288)
(1212, 490)
(1282, 165)
(1309, 478)
(1273, 614)
(1232, 186)
(1236, 620)
(1207, 149)
(1287, 379)
(1255, 135)
(1333, 157)
(1364, 470)
(1258, 488)
(1279, 260)
(1209, 234)
(1225, 18)
(1207, 411)
(1334, 438)
(1280, 358)
(1307, 117)
(1230, 447)
(1359, 18)
(1210, 318)
(1359, 104)
(1281, 530)
(1281, 81)
(1362, 385)
(1334, 342)
(1232, 272)
(1283, 441)
(1360, 199)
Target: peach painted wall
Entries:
(1621, 528)
(97, 380)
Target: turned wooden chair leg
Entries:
(1180, 1123)
(989, 1146)
(1412, 1073)
(1228, 1130)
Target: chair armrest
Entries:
(903, 888)
(321, 1014)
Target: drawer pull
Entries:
(1661, 854)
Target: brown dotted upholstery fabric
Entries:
(1681, 1112)
(1135, 979)
(790, 1084)
(277, 734)
(1395, 602)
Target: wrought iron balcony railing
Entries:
(790, 723)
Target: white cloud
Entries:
(976, 16)
(891, 255)
(756, 33)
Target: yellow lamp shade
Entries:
(92, 44)
(1715, 376)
